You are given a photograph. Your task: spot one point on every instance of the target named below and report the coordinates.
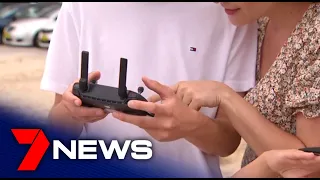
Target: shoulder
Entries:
(308, 31)
(310, 25)
(79, 9)
(304, 93)
(304, 43)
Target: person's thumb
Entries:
(94, 76)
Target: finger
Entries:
(180, 95)
(94, 76)
(163, 91)
(175, 87)
(187, 98)
(154, 98)
(300, 155)
(194, 105)
(89, 119)
(317, 159)
(180, 92)
(82, 111)
(304, 156)
(94, 119)
(148, 107)
(145, 122)
(313, 162)
(69, 97)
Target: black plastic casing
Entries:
(106, 97)
(315, 150)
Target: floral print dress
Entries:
(292, 84)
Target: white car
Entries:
(44, 35)
(24, 32)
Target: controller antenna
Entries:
(83, 83)
(122, 89)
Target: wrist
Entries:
(201, 133)
(266, 167)
(258, 168)
(203, 122)
(60, 118)
(225, 94)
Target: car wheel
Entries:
(35, 40)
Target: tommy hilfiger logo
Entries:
(193, 49)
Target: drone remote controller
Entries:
(315, 150)
(107, 97)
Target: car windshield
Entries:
(47, 12)
(2, 5)
(32, 11)
(7, 11)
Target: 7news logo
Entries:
(142, 149)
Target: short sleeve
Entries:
(241, 67)
(62, 61)
(304, 95)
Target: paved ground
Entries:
(20, 74)
(25, 51)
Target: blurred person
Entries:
(281, 112)
(291, 163)
(167, 41)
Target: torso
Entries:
(282, 88)
(269, 49)
(156, 41)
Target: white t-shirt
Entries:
(165, 41)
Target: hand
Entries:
(173, 119)
(70, 111)
(292, 163)
(197, 94)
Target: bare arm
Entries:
(289, 163)
(256, 169)
(57, 99)
(217, 137)
(59, 116)
(263, 135)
